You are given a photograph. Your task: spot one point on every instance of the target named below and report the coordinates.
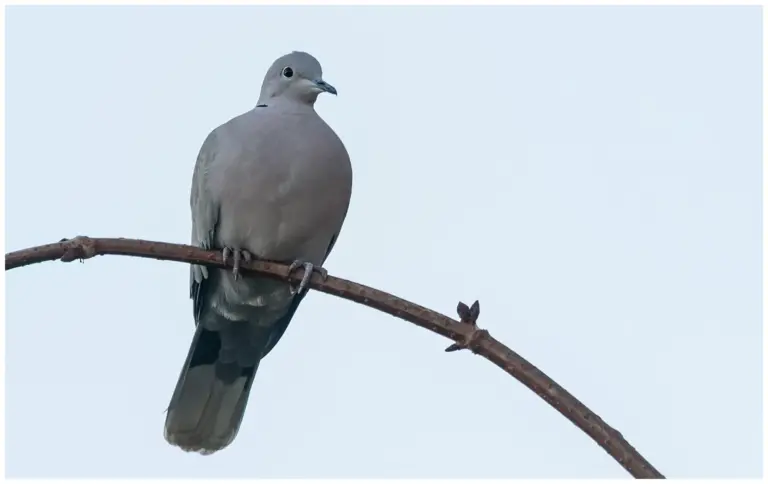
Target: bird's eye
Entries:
(287, 72)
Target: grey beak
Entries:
(325, 86)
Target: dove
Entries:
(274, 184)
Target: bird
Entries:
(273, 183)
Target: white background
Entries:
(606, 159)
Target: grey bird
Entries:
(273, 183)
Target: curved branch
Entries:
(464, 333)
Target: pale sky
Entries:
(607, 159)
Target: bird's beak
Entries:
(324, 86)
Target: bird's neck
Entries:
(287, 104)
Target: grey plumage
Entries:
(273, 183)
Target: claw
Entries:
(308, 269)
(236, 265)
(237, 256)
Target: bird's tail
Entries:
(209, 401)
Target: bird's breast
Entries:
(285, 198)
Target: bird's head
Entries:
(297, 76)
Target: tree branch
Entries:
(464, 333)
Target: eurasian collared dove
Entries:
(273, 183)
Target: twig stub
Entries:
(81, 247)
(468, 316)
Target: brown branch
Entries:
(464, 333)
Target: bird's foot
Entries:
(237, 256)
(308, 269)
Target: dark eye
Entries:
(288, 72)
